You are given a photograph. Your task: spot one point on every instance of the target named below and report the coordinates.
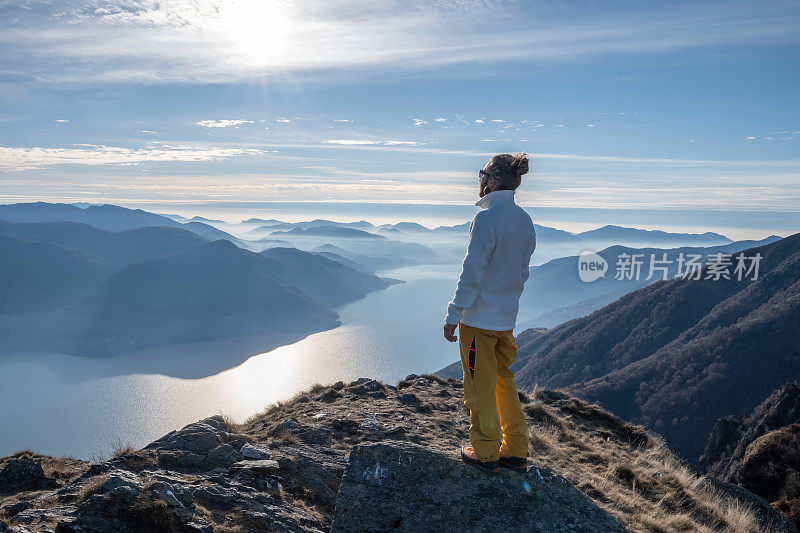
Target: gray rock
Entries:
(409, 399)
(122, 479)
(24, 474)
(251, 451)
(400, 486)
(53, 514)
(372, 430)
(198, 526)
(11, 510)
(216, 496)
(223, 455)
(262, 466)
(319, 435)
(199, 438)
(287, 425)
(769, 518)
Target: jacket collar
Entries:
(494, 197)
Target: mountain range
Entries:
(78, 289)
(556, 292)
(108, 217)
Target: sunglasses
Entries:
(482, 174)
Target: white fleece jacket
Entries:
(501, 242)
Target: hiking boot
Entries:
(517, 464)
(488, 466)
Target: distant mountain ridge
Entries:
(329, 231)
(106, 216)
(78, 289)
(555, 287)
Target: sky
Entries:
(681, 115)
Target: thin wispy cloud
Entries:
(357, 142)
(30, 158)
(223, 123)
(145, 41)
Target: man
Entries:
(484, 308)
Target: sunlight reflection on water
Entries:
(62, 405)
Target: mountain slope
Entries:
(210, 291)
(281, 469)
(322, 279)
(679, 354)
(555, 286)
(40, 276)
(728, 442)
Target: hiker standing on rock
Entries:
(484, 308)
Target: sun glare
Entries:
(259, 30)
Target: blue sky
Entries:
(668, 114)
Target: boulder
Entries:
(768, 518)
(24, 474)
(399, 486)
(251, 451)
(771, 465)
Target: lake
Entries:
(62, 405)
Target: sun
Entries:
(258, 30)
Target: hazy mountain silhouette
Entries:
(40, 276)
(272, 225)
(329, 231)
(633, 236)
(108, 217)
(555, 287)
(325, 280)
(345, 261)
(79, 289)
(120, 247)
(211, 291)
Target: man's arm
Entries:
(479, 251)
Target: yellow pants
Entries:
(496, 416)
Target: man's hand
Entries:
(449, 332)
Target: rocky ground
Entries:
(282, 469)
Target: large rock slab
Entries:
(400, 486)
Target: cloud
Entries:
(149, 41)
(283, 120)
(355, 142)
(222, 123)
(29, 158)
(61, 120)
(419, 122)
(479, 121)
(440, 119)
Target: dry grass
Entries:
(627, 471)
(61, 468)
(91, 487)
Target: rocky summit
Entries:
(407, 487)
(367, 455)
